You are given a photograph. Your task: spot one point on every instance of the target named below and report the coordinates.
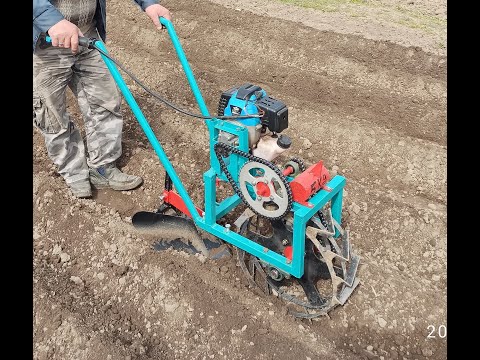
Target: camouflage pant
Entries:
(99, 101)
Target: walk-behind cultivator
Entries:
(288, 240)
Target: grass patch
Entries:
(417, 20)
(324, 5)
(359, 8)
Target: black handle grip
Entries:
(43, 44)
(83, 41)
(46, 42)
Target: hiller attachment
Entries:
(283, 235)
(171, 229)
(177, 231)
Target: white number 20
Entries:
(441, 331)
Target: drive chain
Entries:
(224, 149)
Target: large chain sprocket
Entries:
(280, 199)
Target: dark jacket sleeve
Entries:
(146, 3)
(45, 15)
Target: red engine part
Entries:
(172, 198)
(309, 182)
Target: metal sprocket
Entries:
(223, 150)
(274, 201)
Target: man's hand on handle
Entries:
(155, 11)
(65, 34)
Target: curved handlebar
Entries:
(88, 42)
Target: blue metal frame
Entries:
(214, 210)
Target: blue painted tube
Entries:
(186, 67)
(149, 133)
(228, 204)
(298, 260)
(210, 196)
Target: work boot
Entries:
(81, 188)
(110, 177)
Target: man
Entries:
(83, 70)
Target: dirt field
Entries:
(365, 93)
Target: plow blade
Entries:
(178, 233)
(347, 291)
(352, 270)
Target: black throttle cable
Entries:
(91, 44)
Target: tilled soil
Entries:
(373, 109)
